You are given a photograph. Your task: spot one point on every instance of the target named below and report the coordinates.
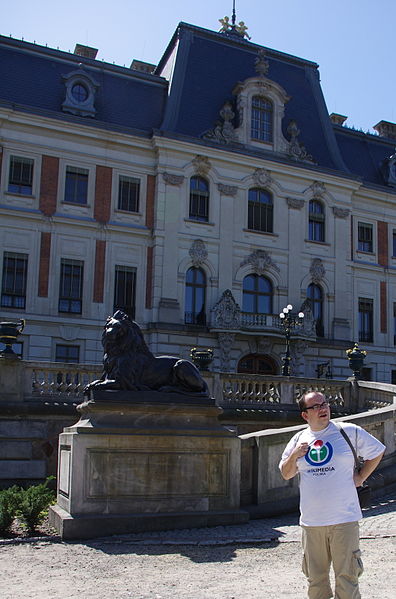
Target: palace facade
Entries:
(201, 195)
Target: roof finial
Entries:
(233, 19)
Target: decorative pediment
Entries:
(226, 312)
(262, 177)
(171, 179)
(224, 131)
(317, 270)
(317, 190)
(198, 253)
(297, 150)
(260, 261)
(201, 165)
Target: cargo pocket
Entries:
(357, 564)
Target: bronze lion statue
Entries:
(128, 363)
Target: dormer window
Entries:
(80, 93)
(262, 119)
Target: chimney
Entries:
(143, 67)
(386, 129)
(338, 119)
(85, 51)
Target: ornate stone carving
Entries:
(198, 252)
(297, 150)
(389, 170)
(295, 203)
(201, 165)
(261, 63)
(317, 270)
(309, 325)
(297, 350)
(171, 179)
(318, 189)
(262, 177)
(341, 212)
(226, 312)
(261, 261)
(226, 341)
(227, 190)
(224, 131)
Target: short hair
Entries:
(301, 402)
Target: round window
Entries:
(79, 92)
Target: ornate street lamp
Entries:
(289, 322)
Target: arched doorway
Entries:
(257, 364)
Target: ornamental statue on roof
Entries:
(231, 28)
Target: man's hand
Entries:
(289, 466)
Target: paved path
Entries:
(378, 521)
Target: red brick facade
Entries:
(49, 184)
(383, 308)
(150, 199)
(102, 208)
(149, 278)
(45, 256)
(382, 232)
(100, 258)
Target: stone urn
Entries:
(356, 359)
(202, 358)
(9, 332)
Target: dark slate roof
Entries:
(31, 79)
(365, 154)
(208, 65)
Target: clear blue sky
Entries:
(353, 41)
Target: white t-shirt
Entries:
(327, 491)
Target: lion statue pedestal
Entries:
(141, 459)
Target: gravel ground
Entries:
(47, 570)
(227, 562)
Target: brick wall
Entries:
(382, 233)
(49, 184)
(100, 258)
(383, 307)
(150, 199)
(103, 194)
(45, 256)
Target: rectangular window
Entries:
(67, 353)
(394, 243)
(365, 237)
(125, 290)
(393, 375)
(71, 286)
(76, 185)
(13, 290)
(366, 331)
(128, 194)
(20, 178)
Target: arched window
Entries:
(199, 199)
(257, 364)
(315, 295)
(260, 210)
(257, 295)
(262, 119)
(316, 223)
(195, 297)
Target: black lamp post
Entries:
(289, 322)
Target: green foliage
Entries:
(33, 505)
(9, 503)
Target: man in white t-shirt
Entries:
(329, 503)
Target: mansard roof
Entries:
(197, 74)
(32, 80)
